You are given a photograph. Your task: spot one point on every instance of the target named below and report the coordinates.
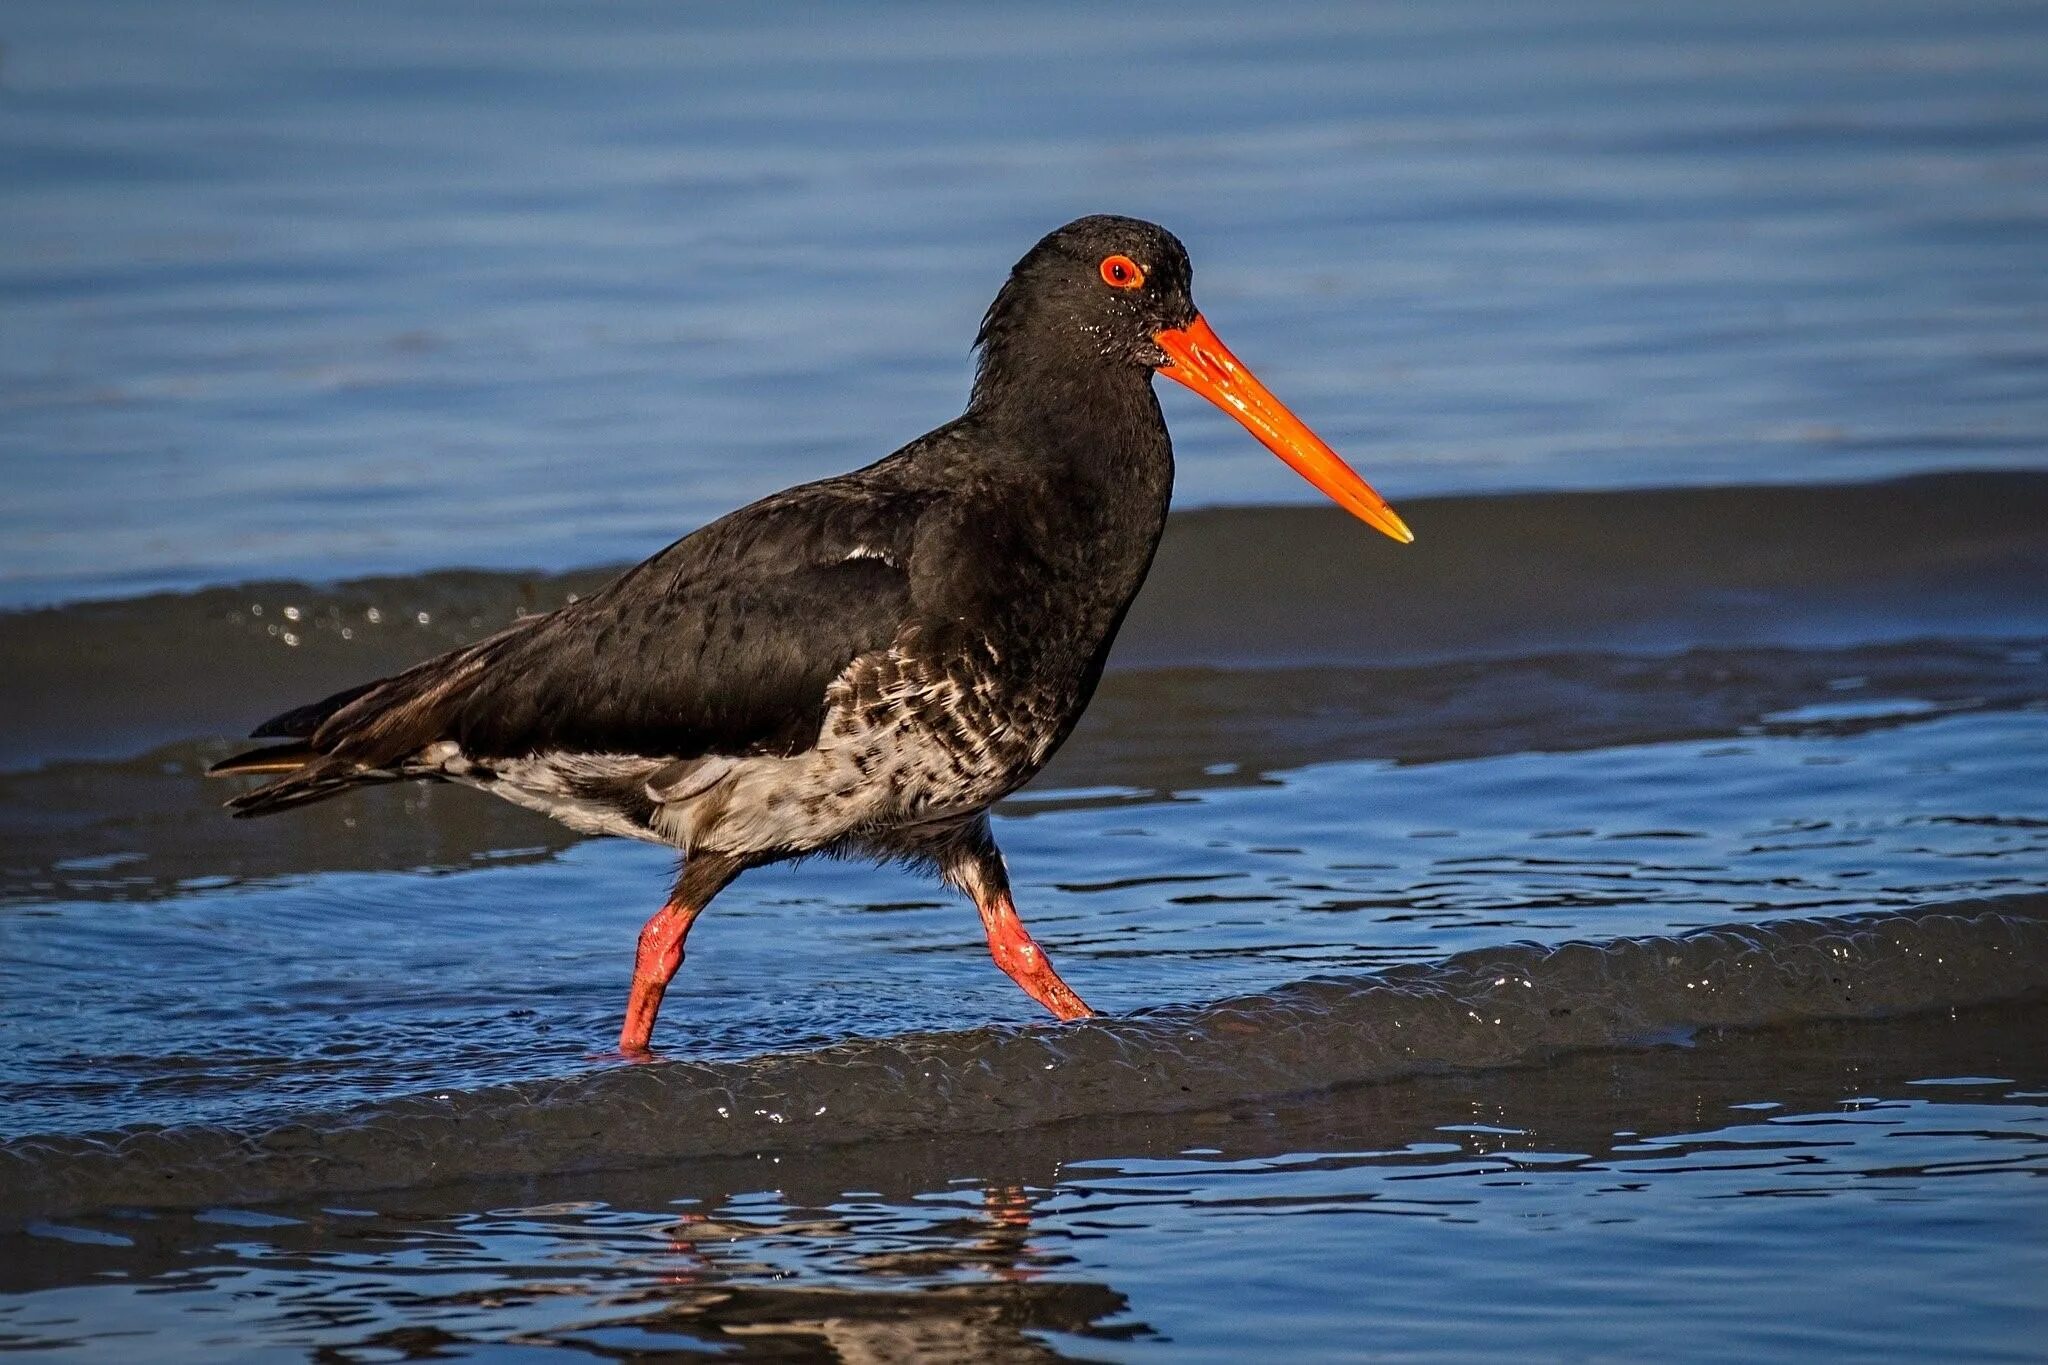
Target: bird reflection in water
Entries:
(972, 1288)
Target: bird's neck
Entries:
(1076, 417)
(1085, 473)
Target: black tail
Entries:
(276, 758)
(306, 777)
(301, 721)
(364, 734)
(304, 774)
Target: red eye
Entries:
(1121, 272)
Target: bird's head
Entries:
(1119, 291)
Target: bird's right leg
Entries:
(660, 953)
(975, 865)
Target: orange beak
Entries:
(1203, 363)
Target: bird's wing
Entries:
(724, 643)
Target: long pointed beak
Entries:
(1203, 363)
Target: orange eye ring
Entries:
(1121, 272)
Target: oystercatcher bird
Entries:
(859, 666)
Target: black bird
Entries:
(858, 666)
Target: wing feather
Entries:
(724, 643)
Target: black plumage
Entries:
(858, 665)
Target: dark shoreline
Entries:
(1952, 556)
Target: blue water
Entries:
(266, 995)
(315, 290)
(1842, 1206)
(299, 291)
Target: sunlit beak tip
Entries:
(1383, 519)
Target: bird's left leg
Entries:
(660, 952)
(975, 865)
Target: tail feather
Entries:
(301, 721)
(365, 734)
(303, 777)
(275, 758)
(305, 769)
(316, 781)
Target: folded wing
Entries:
(724, 643)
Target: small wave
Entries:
(1515, 1005)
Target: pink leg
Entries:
(976, 867)
(1017, 953)
(661, 943)
(661, 952)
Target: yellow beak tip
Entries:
(1393, 527)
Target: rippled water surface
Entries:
(480, 300)
(319, 989)
(1685, 1203)
(385, 286)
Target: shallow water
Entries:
(475, 301)
(1834, 1190)
(363, 984)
